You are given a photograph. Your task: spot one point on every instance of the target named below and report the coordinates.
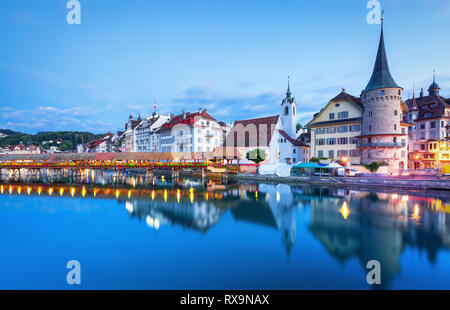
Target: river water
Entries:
(138, 232)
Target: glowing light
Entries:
(405, 198)
(39, 190)
(345, 211)
(191, 196)
(163, 179)
(133, 181)
(278, 196)
(129, 194)
(61, 191)
(1, 189)
(149, 221)
(92, 175)
(165, 195)
(156, 223)
(207, 196)
(256, 195)
(19, 190)
(178, 195)
(153, 195)
(83, 192)
(416, 211)
(50, 191)
(29, 190)
(95, 192)
(10, 189)
(129, 206)
(72, 191)
(117, 194)
(394, 196)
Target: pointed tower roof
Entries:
(381, 76)
(434, 85)
(414, 102)
(288, 93)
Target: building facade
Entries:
(146, 136)
(336, 128)
(428, 146)
(192, 132)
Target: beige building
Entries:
(335, 129)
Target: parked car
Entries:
(350, 172)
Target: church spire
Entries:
(288, 93)
(381, 76)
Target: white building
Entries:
(146, 133)
(192, 132)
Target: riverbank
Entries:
(442, 184)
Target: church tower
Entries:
(382, 138)
(434, 88)
(288, 113)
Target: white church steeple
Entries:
(288, 113)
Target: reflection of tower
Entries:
(288, 228)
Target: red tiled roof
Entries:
(291, 140)
(189, 120)
(240, 135)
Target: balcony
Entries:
(381, 144)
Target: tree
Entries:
(256, 155)
(298, 127)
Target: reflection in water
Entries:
(347, 223)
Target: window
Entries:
(382, 93)
(343, 114)
(286, 111)
(353, 140)
(422, 126)
(342, 129)
(294, 151)
(320, 153)
(320, 141)
(370, 128)
(432, 124)
(331, 154)
(342, 140)
(395, 112)
(395, 126)
(337, 105)
(355, 128)
(355, 153)
(403, 131)
(331, 116)
(331, 141)
(342, 153)
(331, 130)
(370, 114)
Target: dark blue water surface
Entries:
(140, 233)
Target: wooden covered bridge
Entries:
(220, 161)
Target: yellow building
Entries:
(336, 128)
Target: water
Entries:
(152, 233)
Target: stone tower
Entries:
(288, 113)
(382, 138)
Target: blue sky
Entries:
(229, 56)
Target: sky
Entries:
(231, 57)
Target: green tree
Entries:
(299, 126)
(256, 155)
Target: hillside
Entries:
(65, 140)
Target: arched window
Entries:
(293, 110)
(286, 111)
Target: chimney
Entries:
(421, 93)
(184, 114)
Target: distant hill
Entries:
(9, 132)
(65, 140)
